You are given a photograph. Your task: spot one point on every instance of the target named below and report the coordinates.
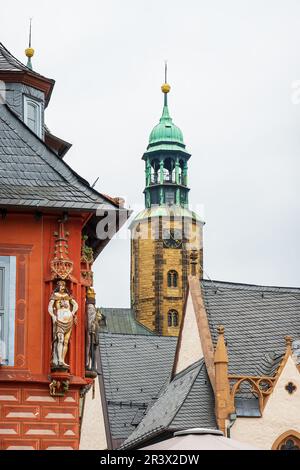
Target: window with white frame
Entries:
(7, 309)
(33, 115)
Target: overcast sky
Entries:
(234, 69)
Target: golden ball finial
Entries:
(165, 88)
(29, 52)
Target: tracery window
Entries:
(290, 440)
(290, 444)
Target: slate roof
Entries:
(31, 175)
(134, 368)
(12, 66)
(269, 363)
(256, 320)
(9, 63)
(122, 320)
(187, 402)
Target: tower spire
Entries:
(166, 82)
(29, 52)
(165, 88)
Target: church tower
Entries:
(166, 237)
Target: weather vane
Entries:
(29, 52)
(166, 71)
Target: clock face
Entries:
(172, 238)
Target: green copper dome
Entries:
(166, 131)
(165, 135)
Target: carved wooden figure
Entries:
(62, 308)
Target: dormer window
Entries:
(33, 115)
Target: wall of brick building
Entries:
(31, 419)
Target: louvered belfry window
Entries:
(173, 318)
(172, 278)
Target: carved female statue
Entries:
(62, 308)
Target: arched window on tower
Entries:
(173, 318)
(154, 172)
(172, 278)
(180, 170)
(169, 170)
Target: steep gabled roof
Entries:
(187, 402)
(134, 369)
(31, 175)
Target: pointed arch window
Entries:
(289, 440)
(173, 318)
(172, 278)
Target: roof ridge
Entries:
(127, 335)
(237, 285)
(188, 369)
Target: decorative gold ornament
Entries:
(29, 52)
(90, 293)
(165, 88)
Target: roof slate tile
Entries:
(32, 175)
(134, 368)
